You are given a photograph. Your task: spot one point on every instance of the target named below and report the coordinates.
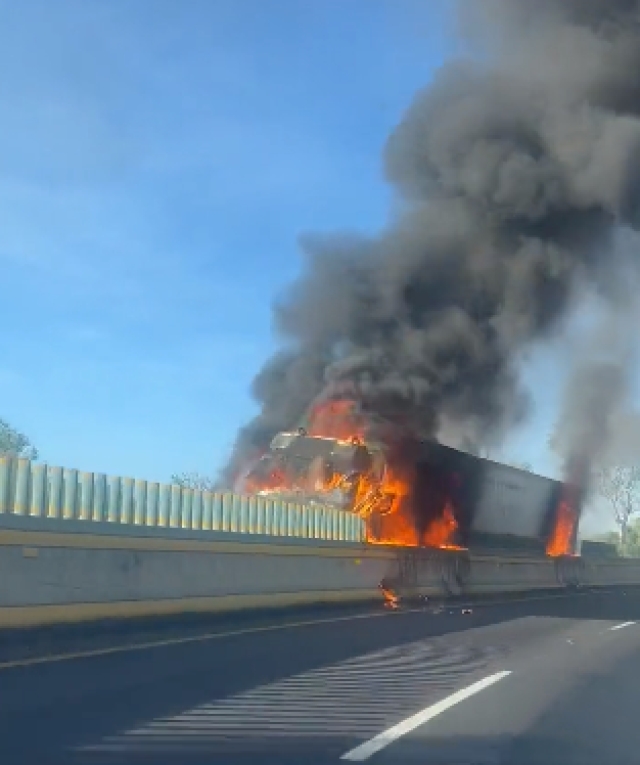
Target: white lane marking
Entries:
(621, 626)
(364, 751)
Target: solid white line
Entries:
(621, 626)
(364, 751)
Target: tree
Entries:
(194, 481)
(620, 485)
(15, 444)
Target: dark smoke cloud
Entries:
(513, 171)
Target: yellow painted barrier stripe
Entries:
(318, 548)
(12, 537)
(33, 616)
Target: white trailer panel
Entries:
(512, 501)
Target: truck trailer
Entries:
(422, 488)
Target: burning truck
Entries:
(411, 492)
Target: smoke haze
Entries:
(513, 170)
(598, 423)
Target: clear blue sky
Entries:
(158, 160)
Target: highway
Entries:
(550, 680)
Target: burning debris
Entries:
(329, 462)
(391, 599)
(514, 171)
(414, 494)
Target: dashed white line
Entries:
(621, 626)
(368, 748)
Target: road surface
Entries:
(544, 681)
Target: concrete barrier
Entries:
(48, 576)
(421, 572)
(610, 573)
(491, 575)
(417, 573)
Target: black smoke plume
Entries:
(513, 169)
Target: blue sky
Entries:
(158, 161)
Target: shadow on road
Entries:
(530, 748)
(49, 709)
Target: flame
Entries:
(394, 529)
(275, 481)
(336, 419)
(382, 503)
(561, 540)
(441, 531)
(391, 600)
(381, 497)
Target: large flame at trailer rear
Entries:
(563, 535)
(562, 539)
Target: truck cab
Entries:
(314, 468)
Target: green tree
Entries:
(195, 481)
(620, 486)
(15, 444)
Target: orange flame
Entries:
(381, 500)
(561, 540)
(382, 496)
(441, 531)
(336, 419)
(275, 481)
(396, 528)
(391, 599)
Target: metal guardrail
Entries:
(44, 491)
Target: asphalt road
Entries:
(545, 681)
